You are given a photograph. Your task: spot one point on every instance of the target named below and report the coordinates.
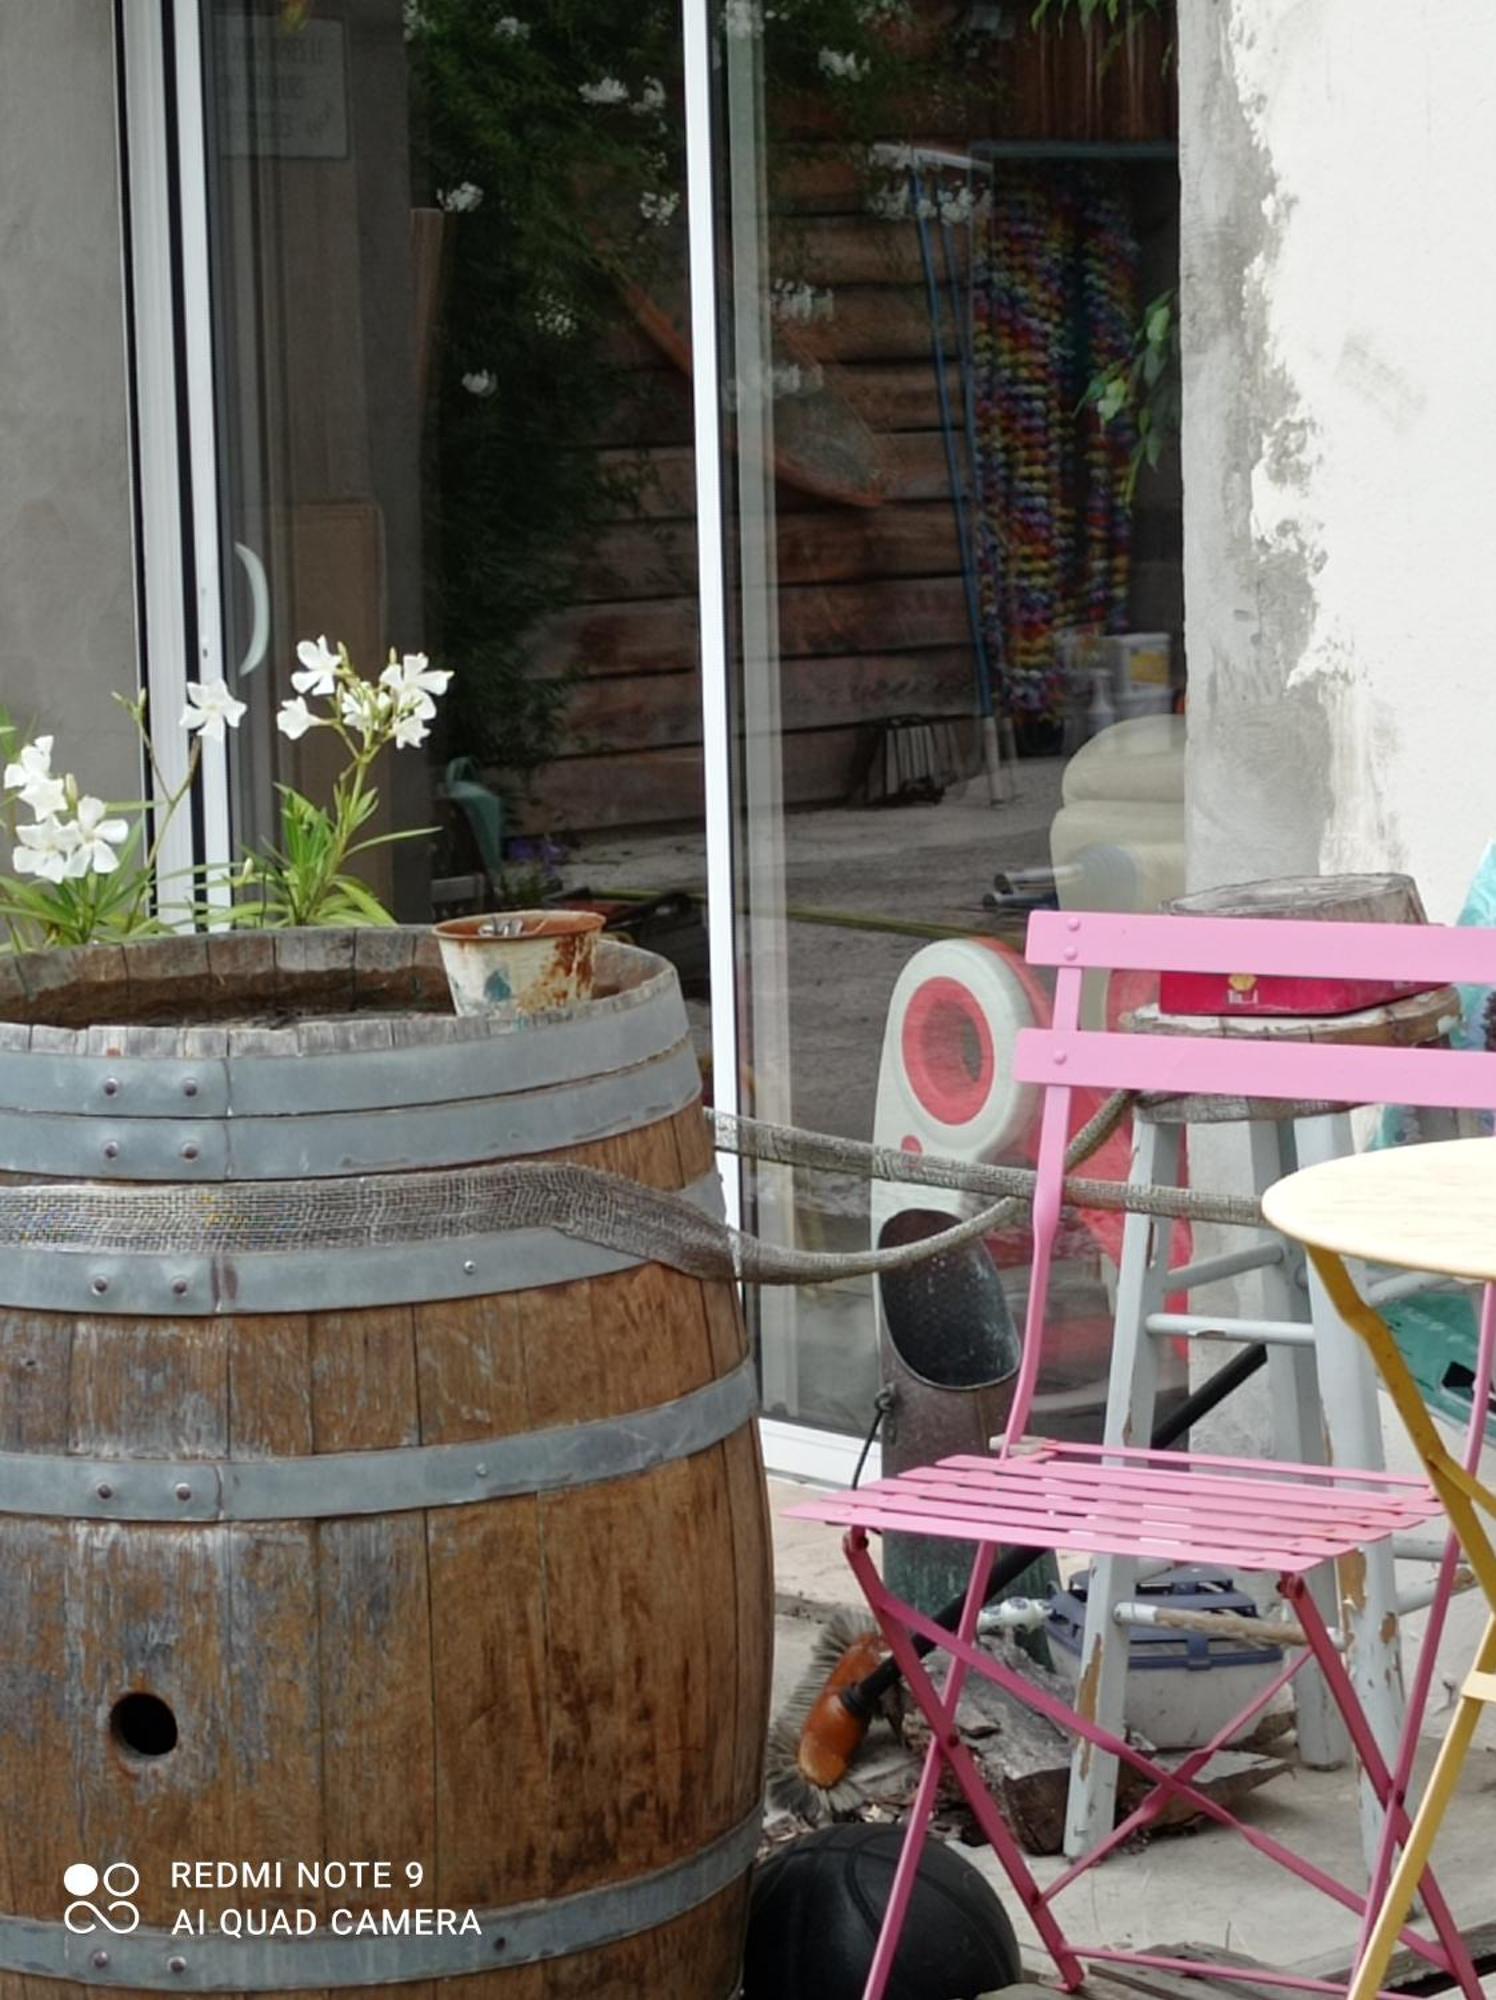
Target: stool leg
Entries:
(1131, 1400)
(1353, 1431)
(1298, 1434)
(1442, 1782)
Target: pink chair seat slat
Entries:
(1428, 954)
(1275, 1469)
(1064, 1497)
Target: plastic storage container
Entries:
(1181, 1686)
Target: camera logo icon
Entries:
(118, 1882)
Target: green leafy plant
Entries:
(1144, 385)
(305, 877)
(83, 871)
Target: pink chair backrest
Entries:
(1065, 1056)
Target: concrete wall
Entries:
(67, 613)
(1338, 162)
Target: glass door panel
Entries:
(454, 417)
(950, 239)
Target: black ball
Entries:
(817, 1906)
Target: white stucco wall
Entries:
(1338, 164)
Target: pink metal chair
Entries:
(1111, 1500)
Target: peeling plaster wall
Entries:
(1338, 162)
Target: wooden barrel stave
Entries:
(533, 1697)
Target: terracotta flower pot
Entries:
(520, 961)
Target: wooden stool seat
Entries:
(1422, 1020)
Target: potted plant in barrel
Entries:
(83, 871)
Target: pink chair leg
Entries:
(1397, 1824)
(1049, 1191)
(922, 1810)
(946, 1747)
(891, 1612)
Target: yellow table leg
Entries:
(1462, 1494)
(1443, 1779)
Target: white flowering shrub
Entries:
(83, 871)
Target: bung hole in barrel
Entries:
(143, 1726)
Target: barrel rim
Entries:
(383, 987)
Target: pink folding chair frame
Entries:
(1289, 1518)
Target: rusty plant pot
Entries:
(520, 961)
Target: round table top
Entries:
(1425, 1208)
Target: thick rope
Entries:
(225, 1221)
(788, 1146)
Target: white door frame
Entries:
(793, 1449)
(166, 199)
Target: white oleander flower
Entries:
(480, 382)
(410, 731)
(45, 848)
(658, 208)
(510, 29)
(30, 777)
(554, 316)
(318, 674)
(609, 90)
(462, 199)
(413, 683)
(210, 707)
(95, 838)
(650, 98)
(842, 65)
(295, 719)
(365, 708)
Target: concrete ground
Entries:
(1203, 1887)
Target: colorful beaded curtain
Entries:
(1054, 301)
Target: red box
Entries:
(1245, 993)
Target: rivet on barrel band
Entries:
(523, 1935)
(336, 1484)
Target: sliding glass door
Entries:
(948, 245)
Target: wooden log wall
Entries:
(870, 604)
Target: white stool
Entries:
(1323, 1402)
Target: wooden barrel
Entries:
(412, 1565)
